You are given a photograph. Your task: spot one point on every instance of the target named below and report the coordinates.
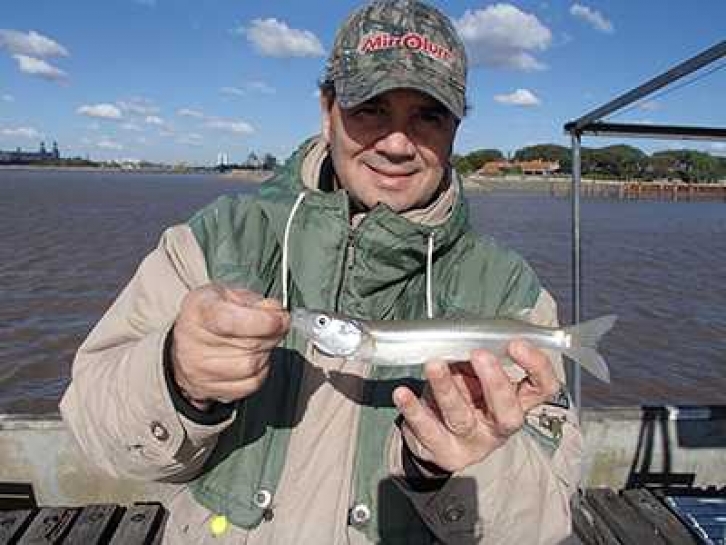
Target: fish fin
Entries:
(589, 359)
(584, 338)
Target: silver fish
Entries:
(413, 342)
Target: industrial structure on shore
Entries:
(20, 157)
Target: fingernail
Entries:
(271, 304)
(483, 356)
(436, 369)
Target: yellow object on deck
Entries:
(218, 525)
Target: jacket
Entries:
(315, 456)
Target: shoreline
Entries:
(554, 186)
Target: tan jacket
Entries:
(119, 409)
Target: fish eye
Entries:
(322, 320)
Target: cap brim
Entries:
(351, 91)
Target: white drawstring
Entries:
(284, 272)
(429, 275)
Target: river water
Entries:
(70, 241)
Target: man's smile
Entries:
(391, 171)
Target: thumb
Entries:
(238, 295)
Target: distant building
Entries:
(536, 167)
(253, 162)
(494, 168)
(20, 157)
(222, 159)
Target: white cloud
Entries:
(503, 36)
(147, 3)
(252, 86)
(21, 132)
(228, 125)
(191, 139)
(520, 97)
(39, 67)
(7, 98)
(188, 112)
(592, 17)
(138, 106)
(102, 111)
(154, 120)
(273, 38)
(232, 91)
(107, 143)
(30, 44)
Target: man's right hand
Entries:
(221, 343)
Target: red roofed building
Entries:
(536, 167)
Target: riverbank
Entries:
(107, 169)
(244, 175)
(555, 186)
(240, 175)
(612, 189)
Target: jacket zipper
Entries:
(348, 262)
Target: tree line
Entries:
(618, 162)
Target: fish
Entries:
(414, 342)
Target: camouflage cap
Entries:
(393, 44)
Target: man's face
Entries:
(392, 149)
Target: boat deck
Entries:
(601, 516)
(141, 523)
(641, 516)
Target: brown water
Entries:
(70, 241)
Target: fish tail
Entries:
(584, 338)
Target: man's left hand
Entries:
(471, 409)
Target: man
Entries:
(194, 376)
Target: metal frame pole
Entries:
(573, 370)
(685, 68)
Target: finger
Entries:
(234, 345)
(237, 389)
(455, 410)
(541, 382)
(500, 395)
(226, 367)
(270, 304)
(422, 423)
(241, 296)
(229, 319)
(247, 298)
(467, 382)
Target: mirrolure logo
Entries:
(411, 40)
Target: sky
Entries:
(181, 81)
